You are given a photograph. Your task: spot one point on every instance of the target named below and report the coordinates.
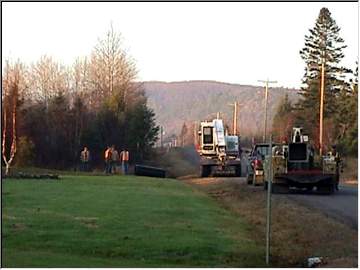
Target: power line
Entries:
(265, 104)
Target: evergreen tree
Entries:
(322, 45)
(347, 117)
(283, 120)
(142, 132)
(59, 132)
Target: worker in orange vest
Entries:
(124, 157)
(108, 162)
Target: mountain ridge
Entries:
(210, 81)
(179, 102)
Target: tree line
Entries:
(51, 111)
(324, 45)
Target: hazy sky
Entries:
(229, 42)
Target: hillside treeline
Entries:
(51, 111)
(286, 108)
(193, 101)
(322, 54)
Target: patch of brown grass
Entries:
(89, 222)
(340, 262)
(18, 226)
(208, 181)
(5, 216)
(297, 232)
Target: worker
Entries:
(124, 157)
(114, 159)
(338, 161)
(108, 160)
(311, 156)
(85, 159)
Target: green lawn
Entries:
(119, 221)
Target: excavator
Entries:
(219, 152)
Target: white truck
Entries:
(219, 152)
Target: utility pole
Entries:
(195, 133)
(265, 104)
(161, 137)
(235, 104)
(268, 205)
(322, 86)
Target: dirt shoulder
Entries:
(298, 232)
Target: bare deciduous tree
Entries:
(80, 77)
(112, 71)
(13, 86)
(48, 79)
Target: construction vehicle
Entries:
(294, 165)
(219, 152)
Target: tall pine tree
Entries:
(322, 45)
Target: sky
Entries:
(228, 42)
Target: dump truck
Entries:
(219, 152)
(294, 165)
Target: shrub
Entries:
(25, 152)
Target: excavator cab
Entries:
(219, 152)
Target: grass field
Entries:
(119, 221)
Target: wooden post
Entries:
(322, 86)
(234, 131)
(235, 118)
(266, 99)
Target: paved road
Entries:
(342, 205)
(190, 154)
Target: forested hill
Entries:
(177, 102)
